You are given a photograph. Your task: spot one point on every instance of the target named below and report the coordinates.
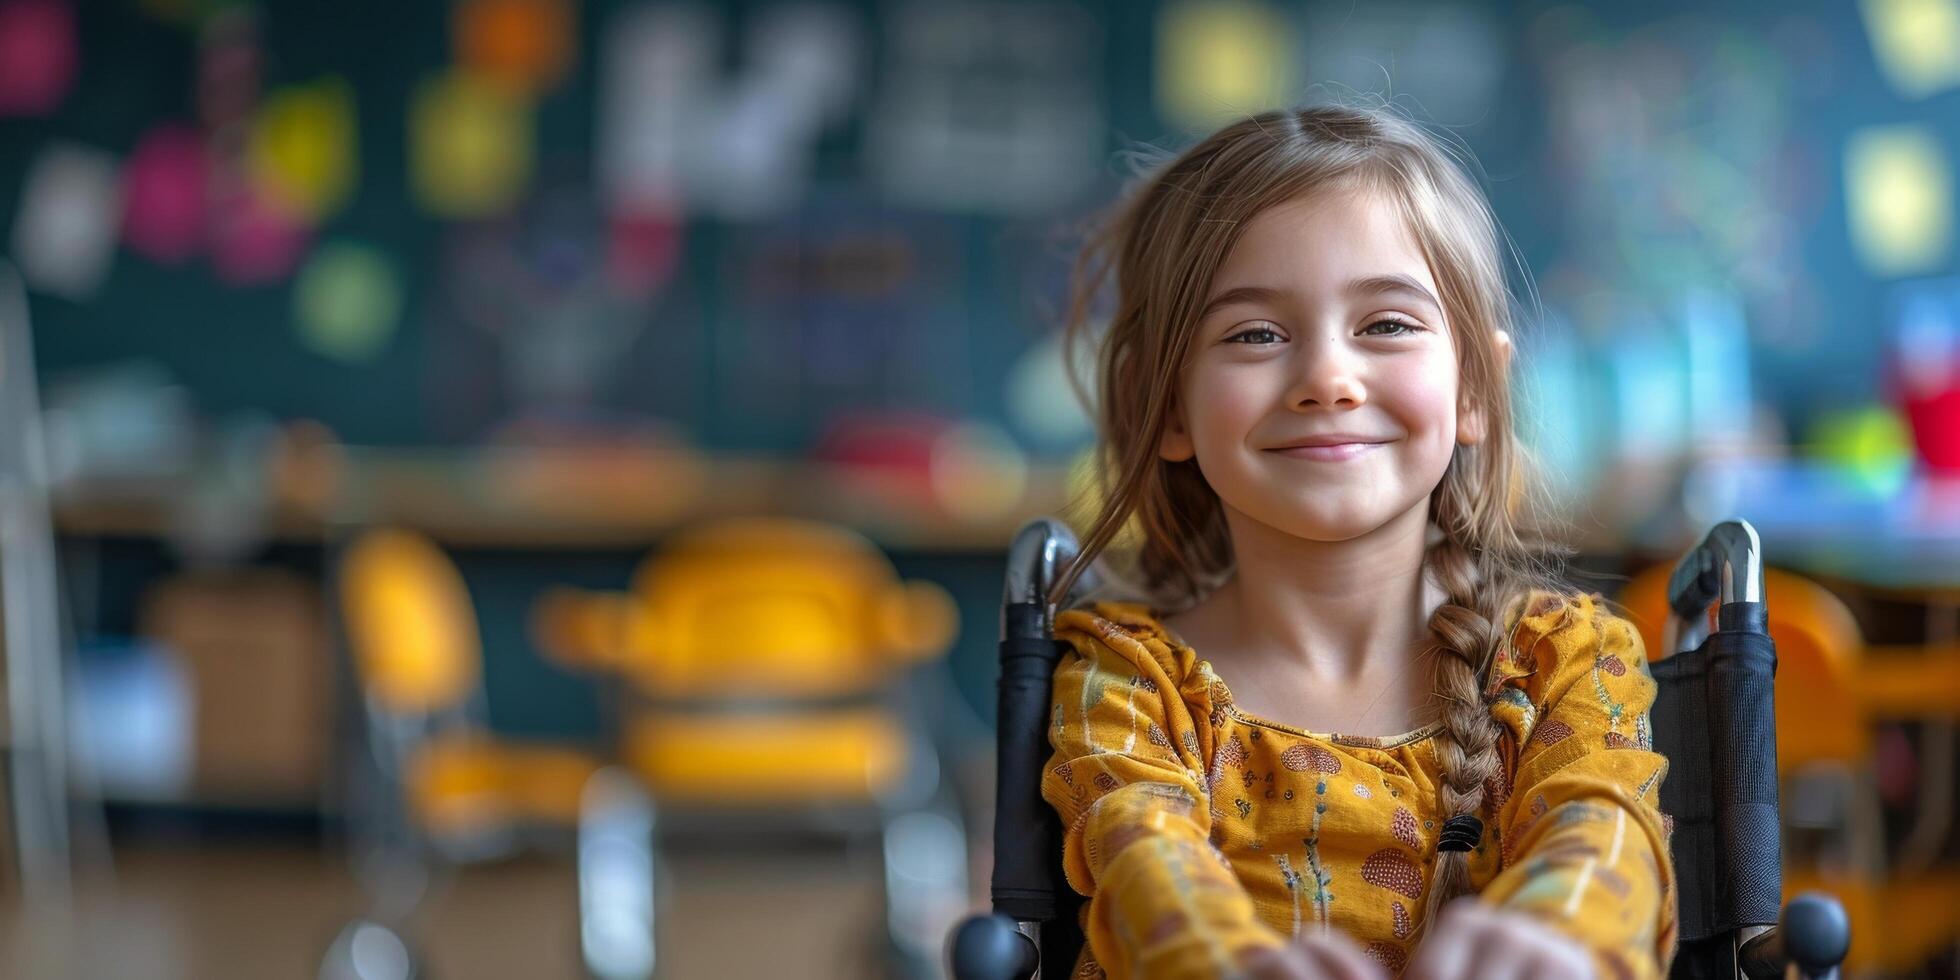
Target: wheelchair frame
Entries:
(1718, 684)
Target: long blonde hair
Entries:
(1160, 248)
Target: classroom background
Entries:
(408, 408)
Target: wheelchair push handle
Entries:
(1028, 893)
(1813, 936)
(1724, 571)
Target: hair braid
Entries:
(1467, 632)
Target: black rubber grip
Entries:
(1742, 713)
(1715, 720)
(1027, 833)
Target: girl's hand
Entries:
(1472, 939)
(1311, 956)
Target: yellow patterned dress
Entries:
(1197, 830)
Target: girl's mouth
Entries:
(1327, 454)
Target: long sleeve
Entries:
(1126, 778)
(1584, 844)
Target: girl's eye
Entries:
(1404, 328)
(1256, 335)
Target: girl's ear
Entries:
(1471, 423)
(1175, 446)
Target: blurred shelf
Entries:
(551, 499)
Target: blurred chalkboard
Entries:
(984, 288)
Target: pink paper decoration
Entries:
(253, 240)
(37, 56)
(164, 194)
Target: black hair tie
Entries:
(1461, 833)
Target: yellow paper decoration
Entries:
(1916, 43)
(1899, 198)
(1218, 59)
(469, 145)
(346, 301)
(303, 150)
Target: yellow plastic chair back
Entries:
(409, 623)
(743, 759)
(1818, 648)
(777, 607)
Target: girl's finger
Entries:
(1496, 956)
(1446, 952)
(1562, 960)
(1336, 956)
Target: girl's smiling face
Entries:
(1323, 325)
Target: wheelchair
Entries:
(1714, 719)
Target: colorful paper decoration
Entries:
(65, 231)
(347, 301)
(1916, 43)
(302, 149)
(525, 46)
(1899, 199)
(254, 239)
(164, 194)
(1219, 59)
(37, 56)
(470, 146)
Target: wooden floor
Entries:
(269, 911)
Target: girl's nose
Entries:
(1329, 376)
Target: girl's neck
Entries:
(1334, 610)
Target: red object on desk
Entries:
(1934, 414)
(1923, 366)
(1936, 428)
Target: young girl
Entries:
(1355, 691)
